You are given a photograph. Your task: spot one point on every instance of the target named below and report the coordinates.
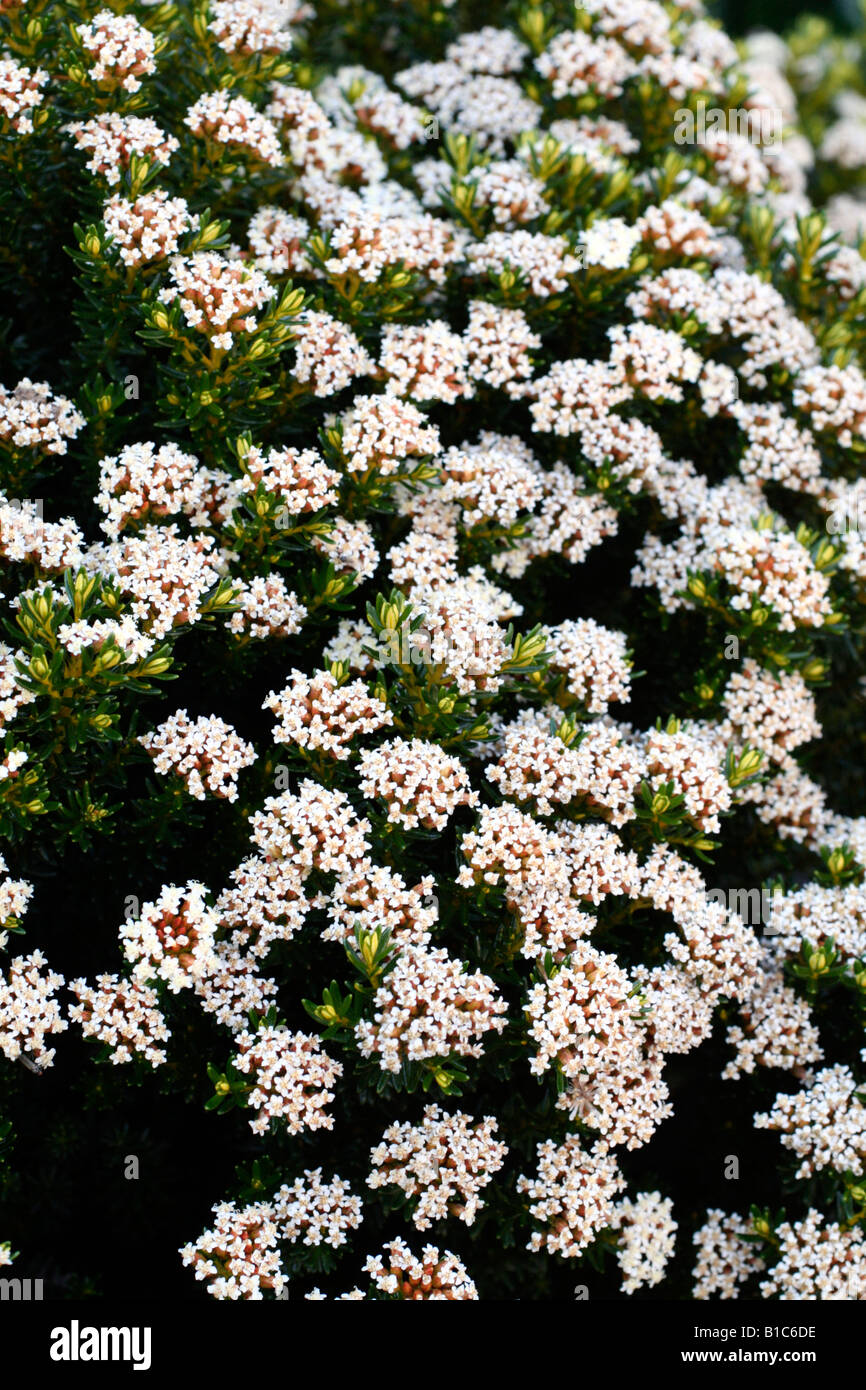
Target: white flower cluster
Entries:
(420, 783)
(725, 1260)
(15, 894)
(776, 1029)
(315, 829)
(376, 898)
(206, 752)
(499, 344)
(31, 417)
(149, 228)
(382, 432)
(20, 94)
(277, 239)
(647, 1239)
(172, 939)
(317, 1212)
(432, 1275)
(124, 1015)
(25, 536)
(300, 478)
(253, 26)
(427, 362)
(234, 122)
(165, 575)
(818, 1261)
(681, 761)
(145, 483)
(546, 262)
(29, 1012)
(317, 712)
(593, 661)
(239, 1257)
(329, 355)
(122, 49)
(537, 767)
(429, 1007)
(266, 904)
(111, 140)
(291, 1079)
(824, 1125)
(266, 608)
(572, 1196)
(217, 296)
(442, 1164)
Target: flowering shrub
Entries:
(433, 619)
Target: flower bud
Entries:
(107, 659)
(154, 666)
(814, 670)
(749, 763)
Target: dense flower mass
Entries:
(433, 577)
(206, 753)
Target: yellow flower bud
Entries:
(154, 666)
(208, 234)
(814, 670)
(750, 762)
(390, 617)
(107, 659)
